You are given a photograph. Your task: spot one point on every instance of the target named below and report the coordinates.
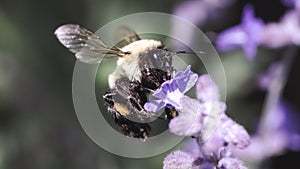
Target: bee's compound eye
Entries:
(161, 47)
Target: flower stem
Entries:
(277, 85)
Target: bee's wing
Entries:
(127, 35)
(87, 46)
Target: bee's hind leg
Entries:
(136, 95)
(119, 114)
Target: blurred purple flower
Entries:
(284, 120)
(197, 12)
(171, 91)
(278, 131)
(285, 32)
(246, 35)
(292, 3)
(179, 160)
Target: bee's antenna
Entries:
(191, 53)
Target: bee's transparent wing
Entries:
(87, 46)
(126, 35)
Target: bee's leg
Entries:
(127, 127)
(110, 102)
(134, 92)
(108, 98)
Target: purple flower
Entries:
(208, 94)
(292, 3)
(246, 35)
(171, 91)
(190, 120)
(265, 80)
(197, 12)
(207, 89)
(283, 122)
(227, 161)
(278, 131)
(229, 132)
(193, 119)
(179, 160)
(234, 134)
(231, 163)
(285, 32)
(196, 115)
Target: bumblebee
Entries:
(142, 66)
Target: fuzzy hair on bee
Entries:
(142, 66)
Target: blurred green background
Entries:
(38, 125)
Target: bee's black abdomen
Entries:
(132, 129)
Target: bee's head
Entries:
(160, 58)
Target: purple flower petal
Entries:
(294, 142)
(234, 133)
(213, 109)
(173, 90)
(189, 122)
(231, 38)
(178, 160)
(154, 105)
(253, 28)
(214, 142)
(207, 90)
(185, 125)
(186, 80)
(231, 163)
